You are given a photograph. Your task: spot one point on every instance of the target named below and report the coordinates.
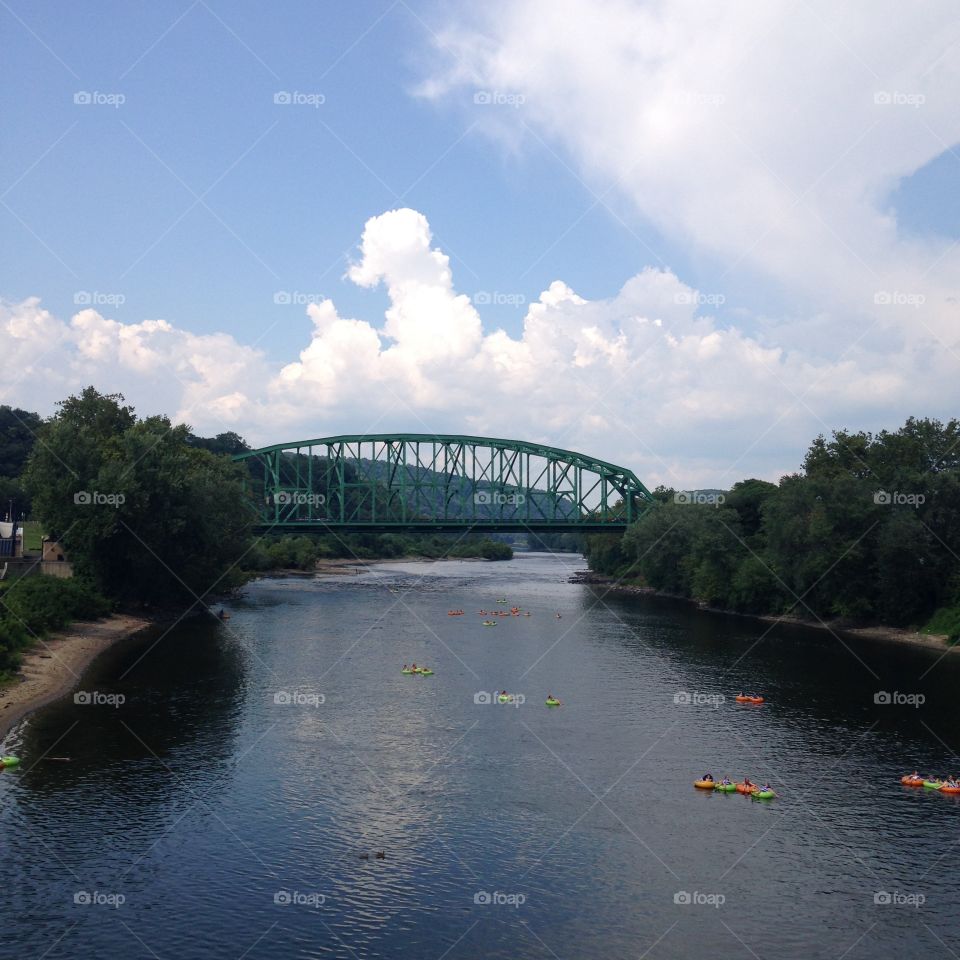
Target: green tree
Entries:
(140, 510)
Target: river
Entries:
(231, 784)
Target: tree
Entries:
(140, 510)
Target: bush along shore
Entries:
(865, 534)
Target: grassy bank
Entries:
(32, 607)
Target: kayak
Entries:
(762, 795)
(743, 788)
(704, 784)
(9, 761)
(909, 781)
(933, 784)
(553, 703)
(725, 787)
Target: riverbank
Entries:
(889, 634)
(55, 664)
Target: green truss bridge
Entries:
(439, 482)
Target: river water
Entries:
(233, 804)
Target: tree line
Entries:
(867, 531)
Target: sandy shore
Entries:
(55, 664)
(934, 641)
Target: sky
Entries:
(683, 237)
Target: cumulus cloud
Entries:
(163, 369)
(767, 135)
(644, 377)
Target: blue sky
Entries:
(787, 207)
(289, 186)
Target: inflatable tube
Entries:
(505, 699)
(909, 781)
(406, 671)
(933, 784)
(704, 784)
(9, 761)
(725, 787)
(489, 623)
(426, 673)
(553, 703)
(946, 789)
(763, 795)
(743, 788)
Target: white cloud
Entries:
(642, 378)
(768, 135)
